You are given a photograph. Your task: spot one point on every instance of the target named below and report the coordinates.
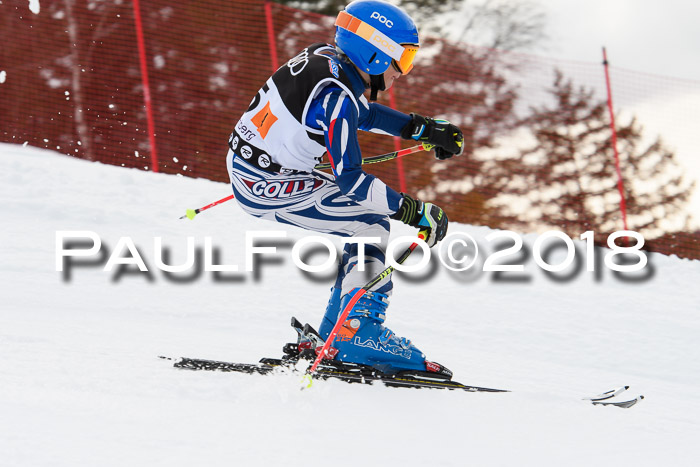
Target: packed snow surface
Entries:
(81, 384)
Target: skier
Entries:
(313, 104)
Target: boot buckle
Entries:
(365, 313)
(386, 336)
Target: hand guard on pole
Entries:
(429, 218)
(447, 138)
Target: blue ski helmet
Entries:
(375, 34)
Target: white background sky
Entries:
(654, 36)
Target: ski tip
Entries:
(608, 394)
(175, 360)
(622, 404)
(632, 402)
(170, 359)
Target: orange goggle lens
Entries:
(405, 64)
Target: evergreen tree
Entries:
(567, 177)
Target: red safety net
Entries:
(538, 149)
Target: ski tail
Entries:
(348, 372)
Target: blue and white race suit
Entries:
(312, 105)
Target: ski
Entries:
(354, 373)
(347, 372)
(608, 394)
(307, 348)
(604, 398)
(623, 404)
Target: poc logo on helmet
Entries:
(382, 19)
(384, 43)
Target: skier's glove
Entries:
(430, 219)
(447, 138)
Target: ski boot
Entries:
(331, 316)
(364, 340)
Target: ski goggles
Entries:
(402, 55)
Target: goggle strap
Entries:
(377, 38)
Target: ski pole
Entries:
(193, 212)
(385, 157)
(190, 213)
(346, 311)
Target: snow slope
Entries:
(80, 384)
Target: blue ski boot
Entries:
(331, 316)
(363, 339)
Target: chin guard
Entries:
(376, 83)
